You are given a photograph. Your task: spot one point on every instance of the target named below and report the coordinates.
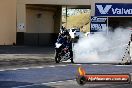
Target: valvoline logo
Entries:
(113, 9)
(104, 10)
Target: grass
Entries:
(80, 21)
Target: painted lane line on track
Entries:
(26, 86)
(52, 66)
(2, 70)
(24, 68)
(63, 65)
(39, 67)
(43, 84)
(14, 69)
(76, 64)
(58, 82)
(124, 65)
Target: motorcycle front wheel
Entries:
(57, 58)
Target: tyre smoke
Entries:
(101, 47)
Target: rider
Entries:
(68, 42)
(65, 38)
(63, 35)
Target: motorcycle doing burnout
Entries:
(63, 51)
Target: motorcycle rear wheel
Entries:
(72, 60)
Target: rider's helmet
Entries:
(66, 32)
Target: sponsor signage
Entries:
(21, 26)
(113, 9)
(98, 24)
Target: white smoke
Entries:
(102, 47)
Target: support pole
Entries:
(66, 17)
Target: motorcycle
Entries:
(62, 53)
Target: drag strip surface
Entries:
(52, 74)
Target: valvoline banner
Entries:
(113, 9)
